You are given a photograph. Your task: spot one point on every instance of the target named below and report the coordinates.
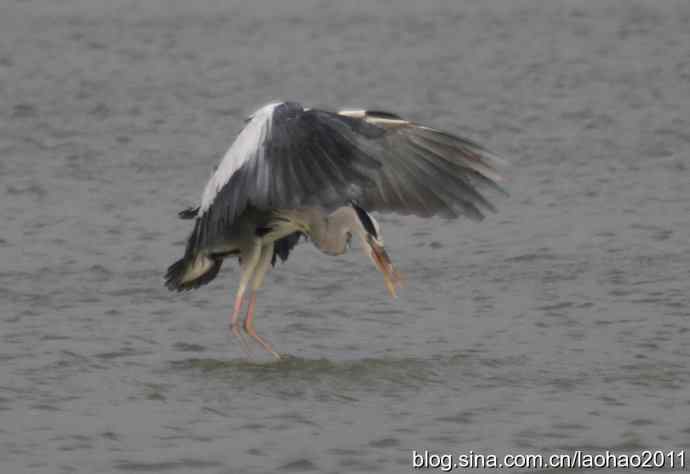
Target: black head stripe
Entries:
(365, 220)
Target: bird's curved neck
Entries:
(329, 232)
(335, 233)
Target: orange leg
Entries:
(249, 327)
(235, 327)
(250, 258)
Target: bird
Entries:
(297, 173)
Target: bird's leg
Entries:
(234, 327)
(249, 327)
(249, 260)
(261, 269)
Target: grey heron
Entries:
(295, 171)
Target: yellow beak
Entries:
(380, 258)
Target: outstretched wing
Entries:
(289, 156)
(425, 171)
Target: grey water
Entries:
(559, 323)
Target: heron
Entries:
(295, 172)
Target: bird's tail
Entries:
(191, 272)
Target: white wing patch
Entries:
(246, 146)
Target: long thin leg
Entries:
(258, 278)
(250, 259)
(234, 327)
(249, 327)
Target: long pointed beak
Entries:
(380, 258)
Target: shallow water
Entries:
(560, 323)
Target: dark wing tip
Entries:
(174, 277)
(189, 213)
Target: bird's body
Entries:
(294, 171)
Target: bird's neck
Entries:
(339, 226)
(344, 218)
(329, 232)
(312, 220)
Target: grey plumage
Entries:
(309, 157)
(293, 170)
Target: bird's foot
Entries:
(249, 329)
(246, 348)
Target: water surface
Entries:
(560, 323)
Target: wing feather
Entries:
(278, 161)
(446, 170)
(288, 156)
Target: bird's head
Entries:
(372, 242)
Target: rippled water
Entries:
(559, 323)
